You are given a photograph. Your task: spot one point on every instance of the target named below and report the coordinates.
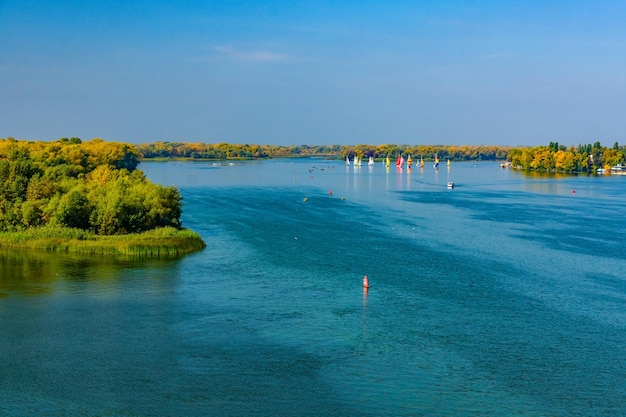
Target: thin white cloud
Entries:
(256, 56)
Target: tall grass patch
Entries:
(161, 242)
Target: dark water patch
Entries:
(615, 283)
(321, 232)
(576, 242)
(36, 273)
(581, 226)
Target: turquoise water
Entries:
(504, 296)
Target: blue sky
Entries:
(315, 72)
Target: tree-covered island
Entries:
(87, 197)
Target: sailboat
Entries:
(387, 162)
(371, 162)
(422, 161)
(347, 162)
(409, 161)
(448, 162)
(399, 161)
(436, 161)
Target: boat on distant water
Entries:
(399, 161)
(436, 166)
(347, 161)
(371, 161)
(448, 162)
(618, 169)
(450, 184)
(409, 161)
(421, 162)
(387, 162)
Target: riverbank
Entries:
(162, 242)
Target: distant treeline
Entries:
(93, 186)
(230, 151)
(558, 158)
(552, 158)
(246, 151)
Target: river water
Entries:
(504, 296)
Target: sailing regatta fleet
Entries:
(400, 161)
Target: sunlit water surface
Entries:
(504, 296)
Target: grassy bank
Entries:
(163, 242)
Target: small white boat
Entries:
(371, 161)
(450, 184)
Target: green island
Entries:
(87, 198)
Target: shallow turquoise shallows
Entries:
(502, 296)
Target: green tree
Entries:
(33, 213)
(73, 209)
